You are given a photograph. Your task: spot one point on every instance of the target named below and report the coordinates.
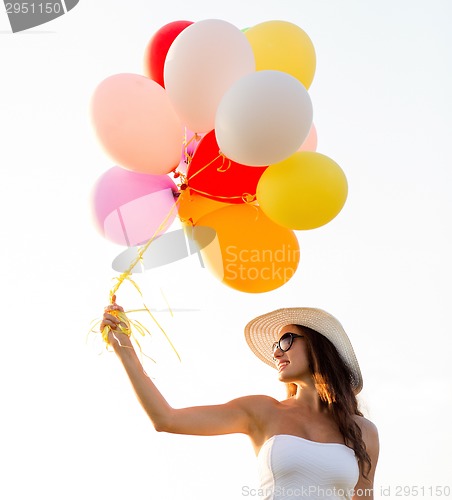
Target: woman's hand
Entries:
(115, 336)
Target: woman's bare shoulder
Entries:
(260, 410)
(369, 432)
(366, 425)
(256, 402)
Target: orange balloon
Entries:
(250, 253)
(192, 206)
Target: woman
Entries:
(315, 443)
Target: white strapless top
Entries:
(294, 467)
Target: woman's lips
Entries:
(282, 365)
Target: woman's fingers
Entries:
(109, 320)
(114, 307)
(111, 317)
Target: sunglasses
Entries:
(285, 342)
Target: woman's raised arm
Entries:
(233, 417)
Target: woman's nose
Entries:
(277, 353)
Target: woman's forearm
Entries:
(147, 393)
(232, 417)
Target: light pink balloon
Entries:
(129, 207)
(263, 118)
(191, 143)
(201, 64)
(310, 143)
(136, 123)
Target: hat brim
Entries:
(263, 331)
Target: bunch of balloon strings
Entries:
(132, 327)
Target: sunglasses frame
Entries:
(277, 345)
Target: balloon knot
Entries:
(248, 198)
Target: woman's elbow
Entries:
(159, 428)
(162, 423)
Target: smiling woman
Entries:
(315, 442)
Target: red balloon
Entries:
(213, 175)
(157, 49)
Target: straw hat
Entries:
(263, 331)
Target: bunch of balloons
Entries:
(226, 114)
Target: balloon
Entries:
(157, 49)
(129, 207)
(310, 143)
(192, 206)
(283, 46)
(136, 124)
(263, 118)
(304, 191)
(191, 143)
(215, 176)
(251, 253)
(201, 64)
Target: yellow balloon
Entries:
(283, 46)
(250, 252)
(304, 191)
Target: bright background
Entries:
(70, 425)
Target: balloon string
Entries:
(245, 197)
(126, 274)
(205, 166)
(196, 138)
(223, 168)
(141, 329)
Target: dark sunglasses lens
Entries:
(285, 342)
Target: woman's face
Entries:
(293, 364)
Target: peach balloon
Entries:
(136, 124)
(310, 143)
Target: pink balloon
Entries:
(310, 143)
(130, 207)
(136, 123)
(191, 143)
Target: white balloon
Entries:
(263, 118)
(204, 60)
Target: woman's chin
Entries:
(283, 376)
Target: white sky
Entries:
(70, 425)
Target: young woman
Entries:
(315, 443)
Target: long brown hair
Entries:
(332, 378)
